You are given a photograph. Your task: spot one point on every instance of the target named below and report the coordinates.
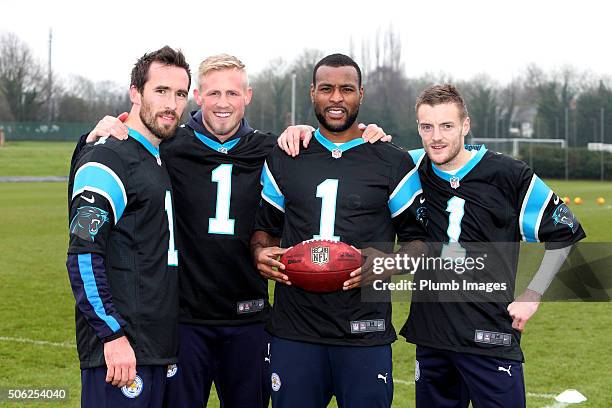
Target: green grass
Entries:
(567, 345)
(35, 158)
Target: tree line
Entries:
(564, 103)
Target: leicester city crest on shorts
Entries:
(276, 382)
(87, 222)
(454, 182)
(319, 255)
(172, 369)
(134, 390)
(563, 215)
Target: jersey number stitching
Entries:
(328, 192)
(456, 207)
(222, 223)
(172, 252)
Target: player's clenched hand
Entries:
(120, 362)
(365, 275)
(109, 126)
(289, 140)
(266, 261)
(523, 308)
(373, 133)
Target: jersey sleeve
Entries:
(543, 216)
(78, 149)
(98, 199)
(271, 212)
(406, 201)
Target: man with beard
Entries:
(340, 188)
(121, 257)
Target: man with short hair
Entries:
(478, 201)
(340, 188)
(121, 257)
(214, 162)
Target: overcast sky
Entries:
(102, 40)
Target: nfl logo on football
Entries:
(320, 255)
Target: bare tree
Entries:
(22, 79)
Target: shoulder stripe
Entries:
(535, 202)
(91, 291)
(98, 178)
(270, 191)
(417, 155)
(406, 191)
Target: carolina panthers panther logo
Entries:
(563, 215)
(87, 222)
(421, 215)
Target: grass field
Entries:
(567, 345)
(36, 158)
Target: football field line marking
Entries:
(37, 342)
(541, 395)
(33, 179)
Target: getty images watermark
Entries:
(453, 270)
(485, 272)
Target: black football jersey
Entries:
(358, 193)
(217, 193)
(122, 256)
(484, 209)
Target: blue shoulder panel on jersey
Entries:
(144, 141)
(270, 191)
(331, 146)
(404, 194)
(98, 178)
(216, 146)
(416, 155)
(535, 202)
(467, 167)
(91, 291)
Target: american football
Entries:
(320, 265)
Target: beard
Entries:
(351, 117)
(453, 153)
(149, 119)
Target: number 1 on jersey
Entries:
(328, 192)
(453, 249)
(172, 252)
(222, 223)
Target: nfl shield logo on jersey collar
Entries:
(336, 153)
(454, 182)
(158, 160)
